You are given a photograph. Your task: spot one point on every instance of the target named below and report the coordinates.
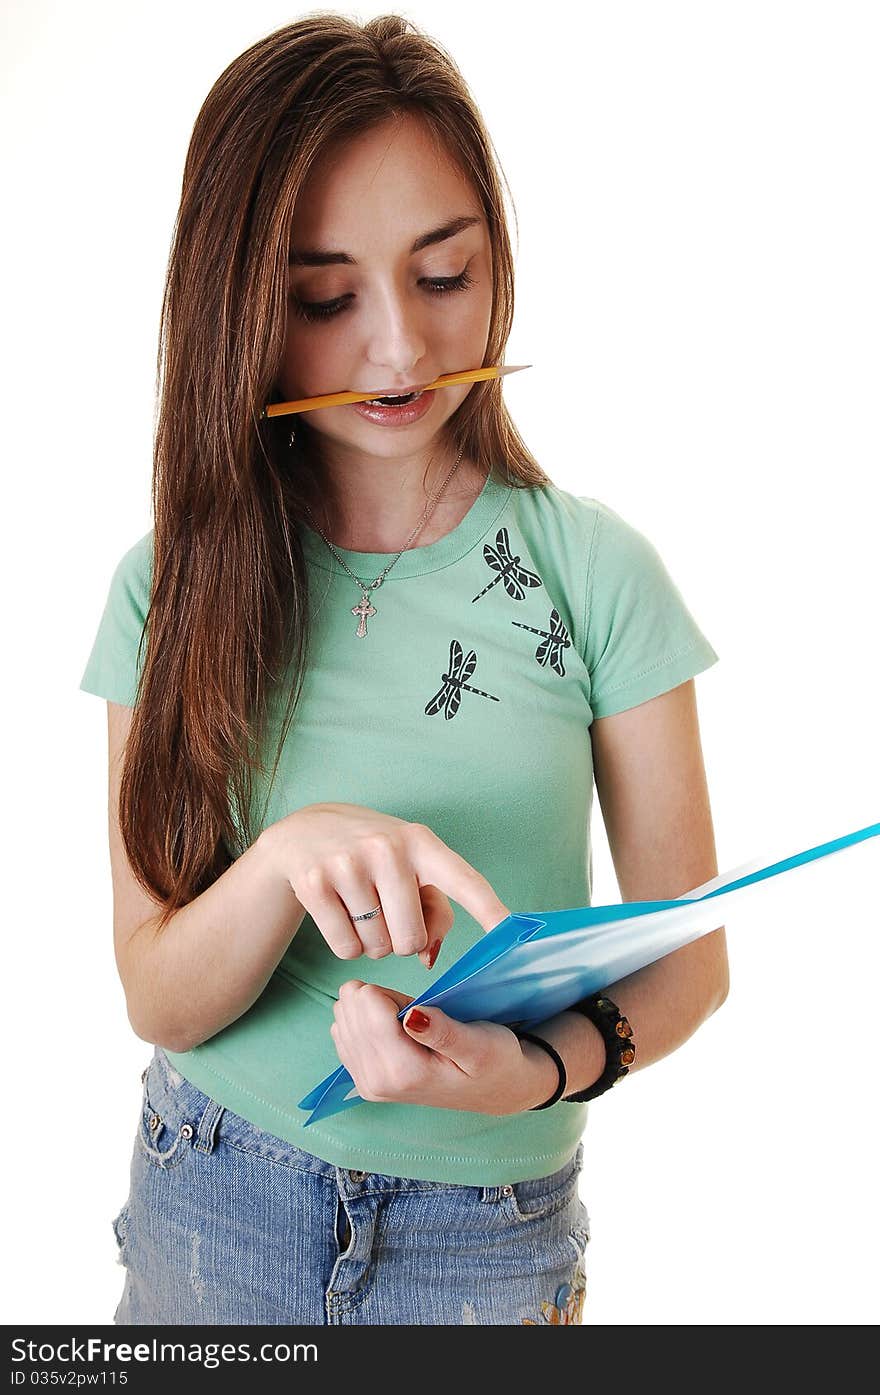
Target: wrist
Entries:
(587, 1050)
(275, 843)
(272, 849)
(619, 1044)
(541, 1075)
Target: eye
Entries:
(325, 310)
(442, 284)
(315, 310)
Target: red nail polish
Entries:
(417, 1021)
(433, 952)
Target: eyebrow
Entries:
(317, 256)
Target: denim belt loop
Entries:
(495, 1193)
(207, 1130)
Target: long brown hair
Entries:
(228, 620)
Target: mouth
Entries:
(396, 409)
(398, 399)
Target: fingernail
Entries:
(417, 1021)
(433, 952)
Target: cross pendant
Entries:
(363, 609)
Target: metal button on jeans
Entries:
(355, 1176)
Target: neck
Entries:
(375, 506)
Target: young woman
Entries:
(437, 650)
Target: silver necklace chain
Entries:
(365, 608)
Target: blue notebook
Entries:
(530, 967)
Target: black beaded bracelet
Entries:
(620, 1048)
(560, 1066)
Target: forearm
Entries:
(214, 957)
(665, 1003)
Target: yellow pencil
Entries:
(339, 399)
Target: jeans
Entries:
(225, 1223)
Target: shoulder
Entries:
(135, 566)
(553, 506)
(139, 557)
(131, 583)
(575, 511)
(582, 522)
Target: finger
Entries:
(358, 894)
(436, 862)
(439, 920)
(431, 1027)
(367, 1013)
(399, 896)
(318, 896)
(343, 1012)
(400, 1000)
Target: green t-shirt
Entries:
(562, 612)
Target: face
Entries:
(378, 315)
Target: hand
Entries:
(343, 859)
(476, 1066)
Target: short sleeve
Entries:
(641, 638)
(114, 665)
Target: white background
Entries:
(698, 294)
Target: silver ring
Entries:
(368, 915)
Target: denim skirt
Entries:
(225, 1223)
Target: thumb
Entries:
(433, 1028)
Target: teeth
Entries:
(388, 397)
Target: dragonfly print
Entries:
(461, 666)
(515, 576)
(553, 642)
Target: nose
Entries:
(396, 338)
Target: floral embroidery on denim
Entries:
(568, 1308)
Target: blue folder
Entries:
(530, 967)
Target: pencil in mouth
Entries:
(340, 398)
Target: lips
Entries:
(405, 414)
